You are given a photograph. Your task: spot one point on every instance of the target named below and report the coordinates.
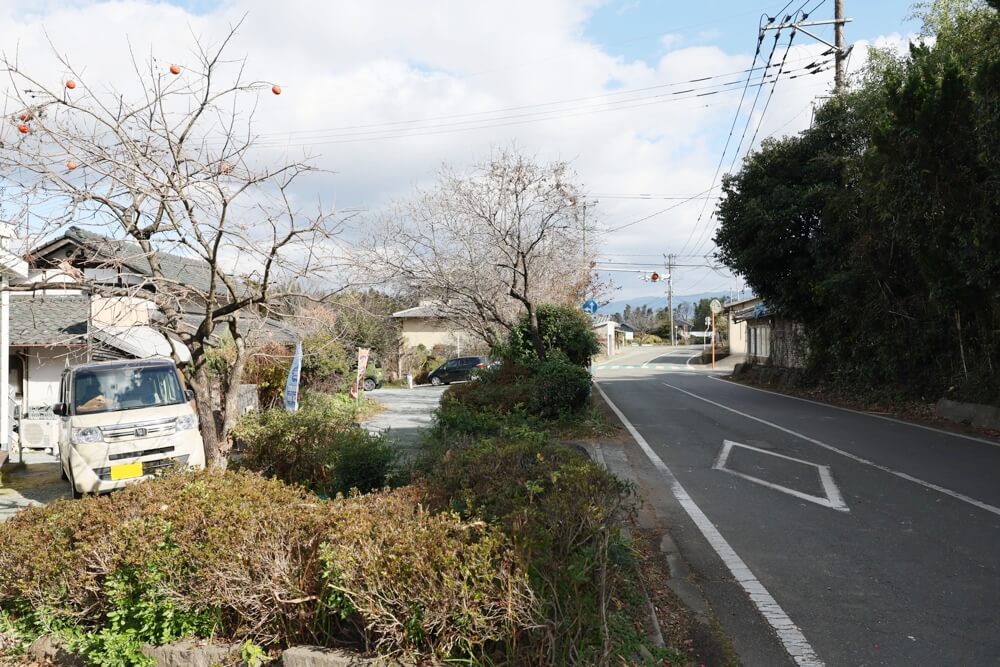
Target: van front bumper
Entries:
(94, 468)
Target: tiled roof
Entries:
(49, 320)
(418, 311)
(189, 271)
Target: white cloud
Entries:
(345, 64)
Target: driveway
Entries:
(407, 412)
(35, 483)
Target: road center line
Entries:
(940, 489)
(788, 633)
(860, 412)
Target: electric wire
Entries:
(736, 116)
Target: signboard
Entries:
(708, 320)
(716, 306)
(292, 383)
(359, 379)
(590, 306)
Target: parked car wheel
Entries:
(436, 381)
(370, 384)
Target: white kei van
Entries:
(121, 421)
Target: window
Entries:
(124, 388)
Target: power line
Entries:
(705, 235)
(515, 119)
(415, 121)
(660, 212)
(736, 117)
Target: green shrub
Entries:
(422, 582)
(563, 329)
(246, 559)
(503, 388)
(325, 364)
(562, 513)
(558, 388)
(317, 446)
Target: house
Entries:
(609, 334)
(56, 324)
(628, 330)
(425, 325)
(764, 335)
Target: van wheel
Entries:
(370, 384)
(72, 486)
(436, 381)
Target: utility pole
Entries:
(839, 78)
(670, 297)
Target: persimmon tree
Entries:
(166, 164)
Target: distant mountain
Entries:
(659, 301)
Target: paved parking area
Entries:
(37, 482)
(407, 412)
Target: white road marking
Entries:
(861, 412)
(940, 489)
(790, 635)
(833, 499)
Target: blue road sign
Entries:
(590, 306)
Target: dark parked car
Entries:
(456, 370)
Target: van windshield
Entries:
(123, 388)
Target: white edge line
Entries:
(788, 633)
(910, 478)
(860, 412)
(833, 499)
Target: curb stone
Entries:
(48, 650)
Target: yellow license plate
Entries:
(126, 471)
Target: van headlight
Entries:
(186, 423)
(86, 435)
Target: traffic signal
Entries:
(654, 276)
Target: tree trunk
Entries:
(536, 333)
(202, 387)
(231, 405)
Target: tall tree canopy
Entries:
(877, 228)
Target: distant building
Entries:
(764, 335)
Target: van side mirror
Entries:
(189, 395)
(60, 410)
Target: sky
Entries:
(381, 93)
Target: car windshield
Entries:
(124, 388)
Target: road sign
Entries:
(590, 306)
(716, 306)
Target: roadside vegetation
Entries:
(500, 547)
(877, 227)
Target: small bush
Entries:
(246, 559)
(317, 446)
(558, 388)
(564, 330)
(562, 513)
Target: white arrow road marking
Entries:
(788, 633)
(833, 499)
(910, 478)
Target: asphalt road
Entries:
(835, 536)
